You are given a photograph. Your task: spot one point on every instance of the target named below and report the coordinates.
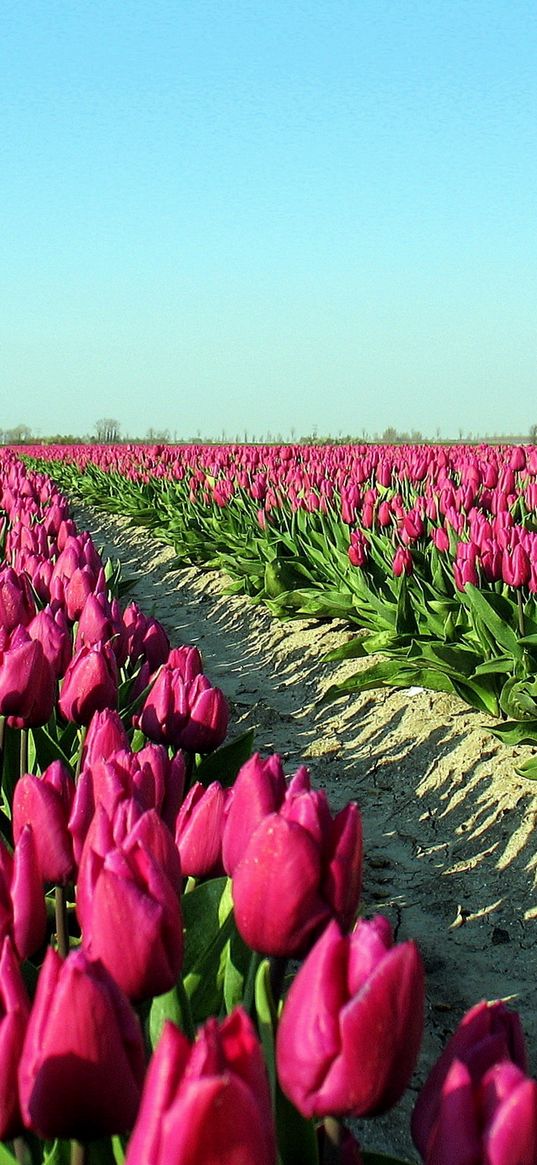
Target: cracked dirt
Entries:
(448, 826)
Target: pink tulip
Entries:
(45, 803)
(130, 916)
(199, 830)
(29, 913)
(259, 789)
(90, 684)
(105, 736)
(82, 1063)
(190, 714)
(15, 1010)
(402, 562)
(206, 1104)
(52, 631)
(27, 687)
(488, 1034)
(299, 868)
(352, 1022)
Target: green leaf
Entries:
(517, 699)
(528, 769)
(501, 665)
(58, 1153)
(370, 643)
(166, 1007)
(236, 970)
(266, 1020)
(209, 924)
(119, 1149)
(516, 731)
(481, 695)
(297, 1138)
(379, 675)
(405, 619)
(224, 764)
(6, 1158)
(47, 749)
(483, 608)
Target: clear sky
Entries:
(230, 216)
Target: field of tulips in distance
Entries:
(189, 973)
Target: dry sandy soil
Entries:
(448, 826)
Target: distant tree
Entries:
(158, 436)
(107, 430)
(533, 434)
(19, 435)
(389, 436)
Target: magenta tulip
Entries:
(199, 830)
(82, 1063)
(90, 684)
(488, 1034)
(206, 1104)
(27, 686)
(351, 1025)
(14, 1013)
(259, 789)
(45, 803)
(131, 920)
(28, 902)
(299, 868)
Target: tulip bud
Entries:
(130, 916)
(15, 1010)
(146, 638)
(402, 562)
(52, 631)
(299, 868)
(199, 829)
(352, 1022)
(90, 684)
(487, 1034)
(208, 1103)
(259, 789)
(27, 687)
(189, 714)
(105, 736)
(16, 602)
(29, 913)
(82, 1063)
(208, 717)
(45, 803)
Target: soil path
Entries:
(448, 826)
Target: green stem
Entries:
(249, 986)
(22, 1151)
(521, 620)
(333, 1130)
(83, 733)
(24, 751)
(278, 968)
(62, 932)
(186, 1011)
(78, 1153)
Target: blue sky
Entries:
(269, 216)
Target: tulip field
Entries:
(431, 552)
(189, 973)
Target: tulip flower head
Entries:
(208, 1103)
(82, 1062)
(352, 1022)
